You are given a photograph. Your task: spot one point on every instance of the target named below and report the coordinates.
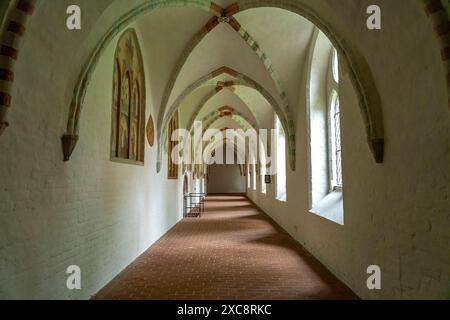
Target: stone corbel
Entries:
(377, 148)
(69, 141)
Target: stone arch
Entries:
(255, 125)
(213, 116)
(202, 104)
(15, 26)
(14, 22)
(246, 37)
(210, 124)
(359, 70)
(212, 145)
(242, 80)
(70, 138)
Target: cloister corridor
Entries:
(224, 150)
(232, 252)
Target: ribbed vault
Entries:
(236, 21)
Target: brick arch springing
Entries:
(439, 16)
(15, 21)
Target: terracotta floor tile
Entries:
(227, 253)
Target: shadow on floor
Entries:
(232, 252)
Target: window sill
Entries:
(331, 207)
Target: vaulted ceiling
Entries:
(251, 61)
(267, 45)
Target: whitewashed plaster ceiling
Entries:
(282, 36)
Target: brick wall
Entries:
(397, 213)
(88, 212)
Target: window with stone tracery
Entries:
(334, 131)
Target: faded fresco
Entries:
(128, 107)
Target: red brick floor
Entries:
(232, 252)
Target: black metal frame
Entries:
(193, 205)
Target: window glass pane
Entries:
(254, 176)
(280, 161)
(337, 118)
(335, 143)
(335, 66)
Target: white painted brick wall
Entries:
(89, 212)
(54, 214)
(397, 215)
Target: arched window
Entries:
(334, 137)
(324, 125)
(281, 192)
(334, 123)
(254, 173)
(249, 174)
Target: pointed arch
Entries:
(203, 103)
(213, 116)
(359, 70)
(243, 80)
(215, 120)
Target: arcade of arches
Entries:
(355, 173)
